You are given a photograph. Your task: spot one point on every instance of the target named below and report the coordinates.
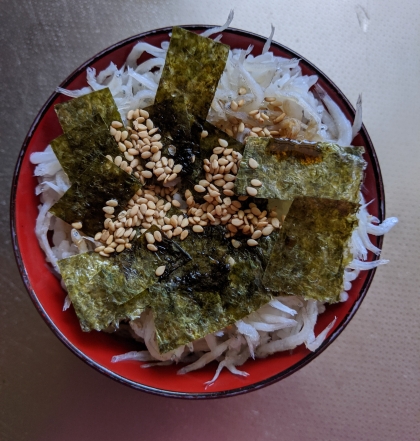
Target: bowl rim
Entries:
(162, 392)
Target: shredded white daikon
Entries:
(285, 322)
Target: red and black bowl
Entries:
(97, 348)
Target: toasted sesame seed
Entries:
(109, 250)
(234, 105)
(251, 191)
(236, 243)
(108, 210)
(256, 129)
(177, 231)
(117, 136)
(197, 228)
(184, 234)
(270, 99)
(253, 163)
(120, 247)
(77, 225)
(267, 230)
(119, 232)
(101, 248)
(223, 142)
(151, 247)
(176, 203)
(98, 236)
(161, 269)
(158, 236)
(112, 131)
(275, 222)
(252, 242)
(279, 118)
(204, 133)
(256, 183)
(242, 91)
(150, 238)
(177, 168)
(229, 177)
(199, 188)
(102, 253)
(167, 228)
(116, 124)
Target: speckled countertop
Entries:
(365, 386)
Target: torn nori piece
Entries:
(172, 118)
(134, 271)
(207, 145)
(313, 249)
(288, 169)
(105, 290)
(82, 277)
(100, 181)
(209, 293)
(192, 70)
(78, 112)
(75, 147)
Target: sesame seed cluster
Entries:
(269, 121)
(151, 204)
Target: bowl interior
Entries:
(97, 348)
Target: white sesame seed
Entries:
(120, 248)
(116, 124)
(197, 228)
(223, 142)
(117, 136)
(161, 269)
(229, 177)
(253, 163)
(236, 243)
(108, 250)
(242, 91)
(112, 131)
(108, 210)
(252, 242)
(275, 222)
(177, 168)
(251, 191)
(146, 173)
(76, 225)
(204, 133)
(280, 118)
(151, 247)
(267, 230)
(184, 234)
(199, 188)
(150, 238)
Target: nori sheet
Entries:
(313, 249)
(84, 283)
(192, 70)
(77, 112)
(105, 290)
(100, 181)
(288, 169)
(208, 293)
(75, 147)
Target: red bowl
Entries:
(96, 348)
